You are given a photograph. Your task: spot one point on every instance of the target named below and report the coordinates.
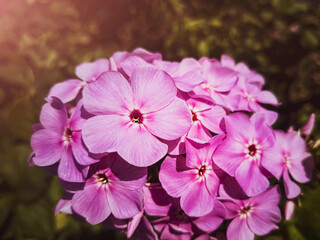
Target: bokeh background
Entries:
(42, 41)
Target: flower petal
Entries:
(212, 220)
(130, 177)
(153, 89)
(90, 71)
(239, 127)
(66, 91)
(81, 154)
(188, 81)
(197, 153)
(101, 133)
(211, 119)
(53, 115)
(268, 199)
(92, 204)
(124, 203)
(265, 212)
(229, 150)
(199, 132)
(267, 97)
(156, 201)
(170, 122)
(133, 224)
(68, 169)
(175, 169)
(292, 189)
(222, 79)
(64, 204)
(47, 146)
(109, 94)
(250, 178)
(131, 63)
(78, 117)
(196, 201)
(239, 230)
(273, 161)
(302, 168)
(133, 137)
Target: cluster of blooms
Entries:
(170, 150)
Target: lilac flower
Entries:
(134, 115)
(250, 96)
(217, 82)
(243, 70)
(88, 72)
(246, 143)
(193, 179)
(175, 223)
(126, 62)
(289, 156)
(186, 74)
(60, 139)
(113, 186)
(256, 215)
(205, 116)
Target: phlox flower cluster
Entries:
(170, 150)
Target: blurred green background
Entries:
(41, 42)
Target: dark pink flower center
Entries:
(67, 135)
(245, 209)
(202, 170)
(252, 150)
(136, 116)
(194, 116)
(102, 178)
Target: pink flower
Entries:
(126, 62)
(206, 117)
(251, 95)
(88, 72)
(243, 70)
(192, 178)
(246, 143)
(113, 186)
(186, 74)
(175, 223)
(289, 155)
(217, 82)
(256, 215)
(60, 139)
(132, 116)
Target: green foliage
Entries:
(41, 42)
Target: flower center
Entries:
(206, 86)
(102, 178)
(194, 116)
(249, 97)
(136, 116)
(67, 136)
(252, 150)
(245, 211)
(287, 161)
(202, 170)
